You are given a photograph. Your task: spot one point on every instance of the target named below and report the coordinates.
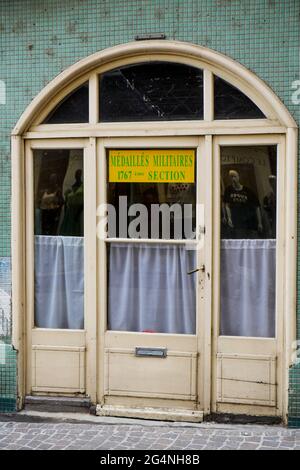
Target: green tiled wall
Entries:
(8, 378)
(40, 38)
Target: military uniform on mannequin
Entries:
(270, 207)
(72, 224)
(242, 209)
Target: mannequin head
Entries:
(235, 178)
(53, 181)
(150, 197)
(272, 181)
(78, 176)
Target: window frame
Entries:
(208, 85)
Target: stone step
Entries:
(161, 414)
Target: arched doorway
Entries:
(140, 322)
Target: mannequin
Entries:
(72, 224)
(50, 204)
(242, 209)
(270, 207)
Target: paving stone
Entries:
(270, 443)
(199, 441)
(194, 446)
(253, 439)
(44, 446)
(248, 446)
(266, 448)
(59, 435)
(175, 448)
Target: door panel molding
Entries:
(55, 358)
(246, 379)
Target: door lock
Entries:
(202, 269)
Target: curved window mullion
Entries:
(73, 108)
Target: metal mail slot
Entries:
(151, 352)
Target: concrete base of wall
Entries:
(57, 404)
(242, 419)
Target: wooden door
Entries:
(58, 290)
(150, 360)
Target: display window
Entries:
(248, 240)
(158, 295)
(58, 238)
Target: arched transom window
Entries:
(154, 91)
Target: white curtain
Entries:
(248, 270)
(150, 290)
(59, 282)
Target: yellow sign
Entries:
(152, 166)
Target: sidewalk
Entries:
(50, 431)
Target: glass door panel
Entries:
(152, 196)
(58, 238)
(55, 273)
(248, 240)
(249, 172)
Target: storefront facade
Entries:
(176, 321)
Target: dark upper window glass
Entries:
(73, 108)
(154, 91)
(231, 103)
(58, 182)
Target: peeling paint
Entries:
(18, 27)
(84, 38)
(159, 13)
(71, 27)
(49, 52)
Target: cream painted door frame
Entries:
(58, 361)
(248, 374)
(94, 343)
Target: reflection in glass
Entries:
(151, 91)
(248, 245)
(74, 108)
(149, 288)
(231, 103)
(58, 229)
(170, 208)
(242, 212)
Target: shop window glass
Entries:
(231, 103)
(170, 207)
(248, 240)
(58, 238)
(74, 108)
(149, 288)
(153, 91)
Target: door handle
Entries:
(202, 269)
